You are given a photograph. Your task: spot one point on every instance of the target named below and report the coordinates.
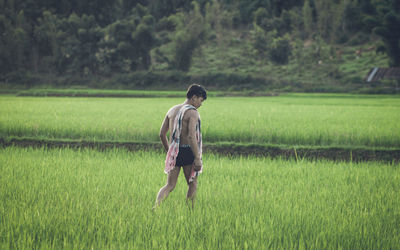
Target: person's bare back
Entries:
(188, 133)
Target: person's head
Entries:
(196, 94)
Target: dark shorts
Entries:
(185, 157)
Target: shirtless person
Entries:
(189, 140)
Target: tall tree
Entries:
(48, 44)
(385, 23)
(144, 40)
(15, 39)
(189, 35)
(126, 43)
(308, 18)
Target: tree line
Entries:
(99, 37)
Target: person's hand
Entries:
(197, 164)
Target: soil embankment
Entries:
(299, 153)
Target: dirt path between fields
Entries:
(336, 154)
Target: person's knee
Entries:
(171, 186)
(193, 185)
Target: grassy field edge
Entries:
(125, 93)
(226, 148)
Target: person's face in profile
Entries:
(197, 101)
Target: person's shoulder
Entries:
(174, 109)
(192, 113)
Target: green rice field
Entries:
(91, 199)
(86, 199)
(292, 119)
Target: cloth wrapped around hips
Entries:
(173, 150)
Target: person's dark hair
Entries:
(197, 90)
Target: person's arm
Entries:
(193, 120)
(164, 131)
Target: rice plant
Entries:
(296, 119)
(63, 198)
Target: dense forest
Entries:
(140, 42)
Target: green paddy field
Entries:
(296, 119)
(81, 198)
(86, 199)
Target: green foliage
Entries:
(14, 42)
(144, 40)
(326, 14)
(281, 24)
(391, 36)
(126, 43)
(385, 23)
(352, 16)
(260, 39)
(67, 44)
(69, 40)
(279, 50)
(187, 39)
(248, 8)
(308, 18)
(76, 44)
(260, 16)
(217, 20)
(80, 43)
(165, 8)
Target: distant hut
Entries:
(376, 74)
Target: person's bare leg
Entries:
(192, 186)
(171, 183)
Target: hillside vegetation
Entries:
(268, 45)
